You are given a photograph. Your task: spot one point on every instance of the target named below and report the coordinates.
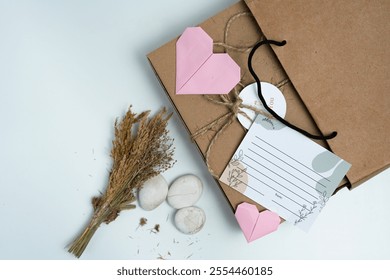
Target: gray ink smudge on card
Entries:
(333, 167)
(324, 161)
(270, 124)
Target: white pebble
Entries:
(190, 220)
(153, 192)
(185, 191)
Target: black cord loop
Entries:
(272, 112)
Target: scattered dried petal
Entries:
(143, 222)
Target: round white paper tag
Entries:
(272, 95)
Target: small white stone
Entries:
(185, 191)
(153, 192)
(190, 220)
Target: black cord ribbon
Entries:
(272, 112)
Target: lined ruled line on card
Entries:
(276, 190)
(293, 160)
(278, 166)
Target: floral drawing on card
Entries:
(236, 175)
(306, 211)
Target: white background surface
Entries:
(67, 70)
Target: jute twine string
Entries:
(232, 101)
(244, 49)
(235, 105)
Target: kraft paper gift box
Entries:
(333, 72)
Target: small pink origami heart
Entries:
(254, 224)
(199, 70)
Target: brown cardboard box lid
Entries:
(337, 57)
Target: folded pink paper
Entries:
(199, 70)
(254, 224)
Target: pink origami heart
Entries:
(254, 224)
(199, 70)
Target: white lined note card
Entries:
(284, 171)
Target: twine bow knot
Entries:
(235, 105)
